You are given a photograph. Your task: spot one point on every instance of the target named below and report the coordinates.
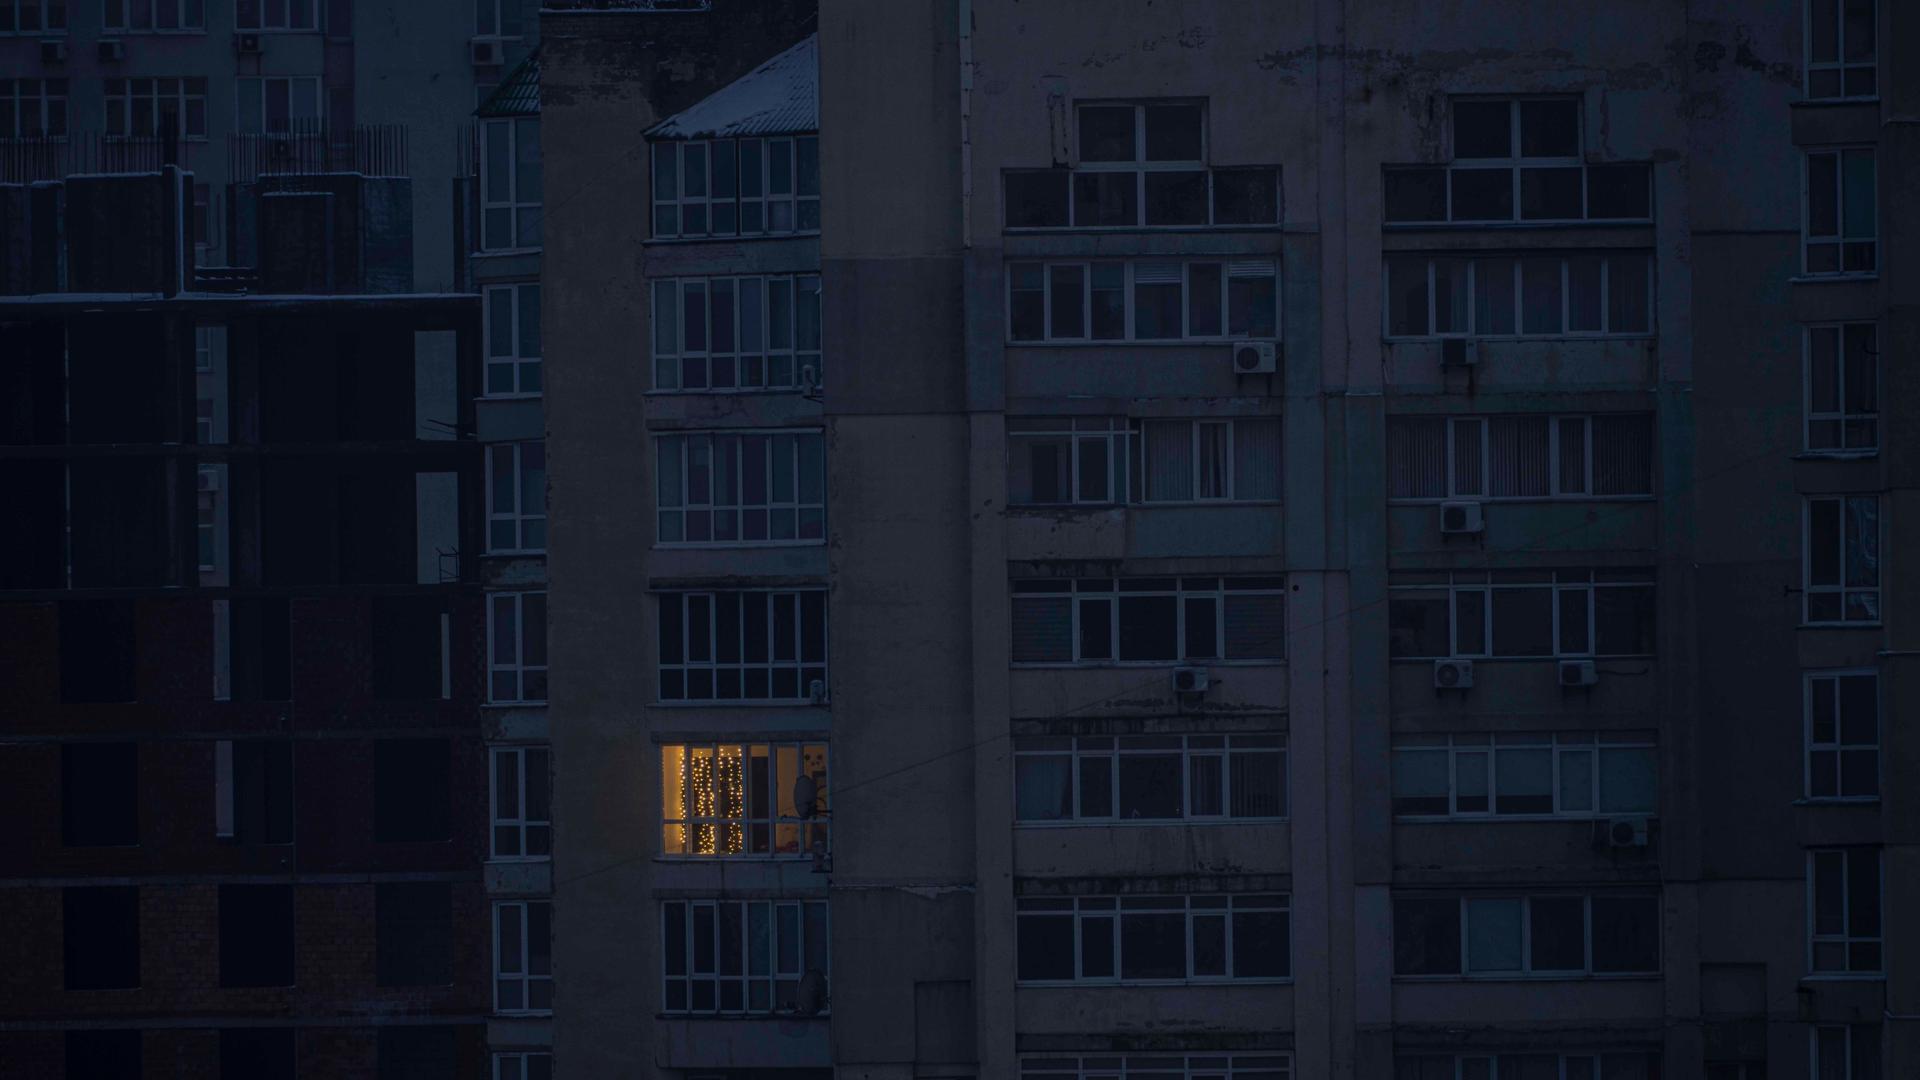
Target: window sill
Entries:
(1085, 984)
(1843, 976)
(1139, 823)
(731, 391)
(489, 253)
(115, 31)
(513, 705)
(1837, 455)
(1149, 343)
(810, 234)
(1832, 102)
(1552, 976)
(1832, 279)
(535, 396)
(1860, 625)
(1138, 665)
(743, 545)
(1532, 819)
(785, 1017)
(1190, 504)
(702, 860)
(512, 553)
(1560, 223)
(1513, 339)
(518, 860)
(750, 703)
(1523, 500)
(1143, 230)
(529, 1014)
(1839, 800)
(1520, 659)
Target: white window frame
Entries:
(523, 374)
(1096, 589)
(671, 353)
(518, 1064)
(1827, 682)
(1113, 431)
(206, 525)
(714, 667)
(774, 978)
(518, 969)
(685, 443)
(1230, 271)
(1840, 63)
(1481, 490)
(1840, 589)
(1560, 747)
(523, 212)
(287, 24)
(1849, 1040)
(1113, 909)
(46, 9)
(735, 832)
(1526, 972)
(527, 512)
(1265, 1065)
(184, 11)
(124, 99)
(1841, 417)
(1839, 241)
(44, 100)
(1608, 258)
(1846, 939)
(1192, 750)
(524, 760)
(246, 86)
(1563, 581)
(798, 206)
(490, 17)
(1142, 470)
(512, 606)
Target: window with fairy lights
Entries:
(743, 800)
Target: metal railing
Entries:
(34, 158)
(308, 147)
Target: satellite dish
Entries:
(806, 795)
(811, 996)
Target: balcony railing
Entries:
(308, 148)
(35, 158)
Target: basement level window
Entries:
(1149, 939)
(1518, 161)
(1842, 53)
(1560, 935)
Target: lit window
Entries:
(522, 802)
(510, 184)
(744, 956)
(1145, 939)
(1099, 621)
(737, 333)
(523, 957)
(1519, 457)
(1843, 894)
(1149, 779)
(513, 340)
(1571, 775)
(1142, 300)
(1584, 295)
(517, 647)
(1842, 214)
(1550, 935)
(744, 488)
(1842, 567)
(516, 497)
(1521, 614)
(1841, 53)
(743, 799)
(744, 646)
(1843, 388)
(736, 187)
(1518, 160)
(1843, 735)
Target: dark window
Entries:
(256, 1054)
(1150, 785)
(96, 650)
(413, 943)
(1417, 623)
(1549, 194)
(1037, 199)
(1619, 191)
(1176, 198)
(256, 935)
(1245, 197)
(99, 794)
(1416, 195)
(101, 932)
(1481, 129)
(1559, 933)
(1261, 944)
(417, 1053)
(1153, 945)
(1044, 944)
(262, 649)
(406, 647)
(1426, 936)
(1626, 933)
(1106, 198)
(103, 1055)
(263, 791)
(1107, 133)
(1482, 194)
(410, 790)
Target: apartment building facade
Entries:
(1342, 541)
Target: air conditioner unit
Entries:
(248, 44)
(1578, 673)
(488, 52)
(1459, 352)
(1256, 358)
(209, 480)
(1191, 680)
(112, 51)
(1452, 674)
(1462, 518)
(1627, 832)
(53, 52)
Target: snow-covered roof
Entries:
(780, 97)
